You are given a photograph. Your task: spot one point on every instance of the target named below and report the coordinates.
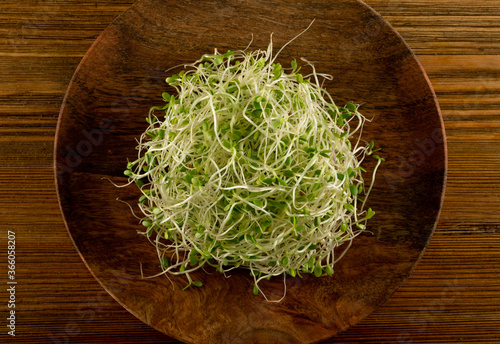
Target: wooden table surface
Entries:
(452, 296)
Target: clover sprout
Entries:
(250, 164)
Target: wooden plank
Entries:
(452, 296)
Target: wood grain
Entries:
(452, 296)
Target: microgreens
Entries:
(250, 164)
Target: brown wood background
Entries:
(452, 296)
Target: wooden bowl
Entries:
(122, 76)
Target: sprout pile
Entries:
(251, 165)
